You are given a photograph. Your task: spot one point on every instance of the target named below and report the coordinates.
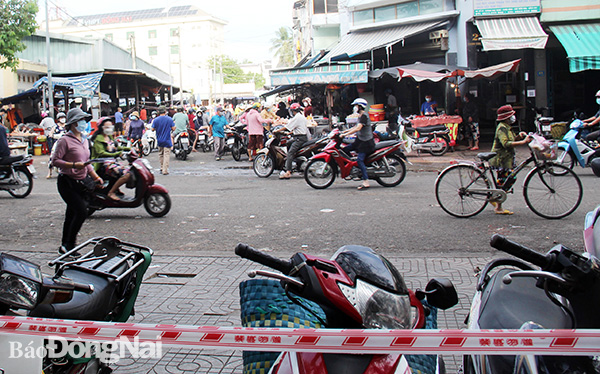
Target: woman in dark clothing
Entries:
(70, 157)
(283, 111)
(364, 143)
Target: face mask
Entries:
(512, 119)
(598, 100)
(154, 116)
(62, 120)
(428, 99)
(81, 126)
(133, 118)
(109, 130)
(355, 109)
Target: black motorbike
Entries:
(236, 140)
(558, 290)
(181, 145)
(16, 175)
(101, 285)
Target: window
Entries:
(152, 51)
(325, 6)
(430, 6)
(108, 37)
(130, 34)
(174, 49)
(151, 34)
(407, 9)
(385, 13)
(174, 32)
(363, 17)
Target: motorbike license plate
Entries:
(230, 141)
(201, 137)
(31, 169)
(185, 141)
(547, 128)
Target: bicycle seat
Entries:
(486, 156)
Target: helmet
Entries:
(256, 105)
(60, 115)
(203, 109)
(295, 107)
(595, 164)
(101, 120)
(44, 114)
(360, 101)
(307, 100)
(154, 113)
(505, 112)
(598, 93)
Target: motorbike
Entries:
(273, 155)
(357, 288)
(572, 148)
(236, 140)
(386, 164)
(433, 139)
(101, 285)
(154, 196)
(16, 175)
(558, 290)
(205, 142)
(181, 145)
(149, 142)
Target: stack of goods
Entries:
(376, 112)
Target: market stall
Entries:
(451, 122)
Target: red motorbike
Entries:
(154, 196)
(385, 165)
(357, 288)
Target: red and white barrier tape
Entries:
(538, 342)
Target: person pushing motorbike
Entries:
(364, 143)
(298, 125)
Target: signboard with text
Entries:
(505, 7)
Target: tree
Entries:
(283, 45)
(17, 20)
(232, 73)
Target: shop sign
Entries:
(505, 7)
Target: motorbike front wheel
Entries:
(565, 158)
(443, 141)
(25, 180)
(146, 149)
(397, 163)
(157, 204)
(263, 165)
(236, 150)
(319, 174)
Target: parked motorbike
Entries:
(273, 155)
(357, 288)
(386, 164)
(572, 148)
(432, 139)
(16, 175)
(236, 140)
(149, 142)
(515, 294)
(154, 196)
(181, 145)
(102, 285)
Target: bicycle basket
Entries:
(544, 149)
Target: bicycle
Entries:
(551, 190)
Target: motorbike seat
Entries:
(10, 159)
(94, 306)
(508, 306)
(386, 143)
(486, 156)
(429, 129)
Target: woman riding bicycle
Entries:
(505, 141)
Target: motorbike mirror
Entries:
(109, 247)
(440, 293)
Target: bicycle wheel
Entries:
(552, 191)
(461, 190)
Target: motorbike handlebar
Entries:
(82, 287)
(245, 251)
(527, 254)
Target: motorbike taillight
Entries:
(184, 134)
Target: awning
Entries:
(82, 85)
(19, 97)
(356, 72)
(422, 74)
(582, 43)
(359, 42)
(511, 33)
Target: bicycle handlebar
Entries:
(245, 251)
(527, 254)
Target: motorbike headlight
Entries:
(18, 292)
(378, 308)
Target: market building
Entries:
(177, 39)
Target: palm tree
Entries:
(283, 44)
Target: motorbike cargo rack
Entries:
(107, 257)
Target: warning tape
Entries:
(491, 342)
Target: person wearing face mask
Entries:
(429, 106)
(136, 127)
(364, 143)
(105, 147)
(504, 145)
(59, 130)
(593, 121)
(76, 175)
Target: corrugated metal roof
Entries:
(582, 43)
(363, 41)
(511, 33)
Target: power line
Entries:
(75, 19)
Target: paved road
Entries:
(217, 205)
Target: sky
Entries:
(251, 24)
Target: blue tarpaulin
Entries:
(82, 85)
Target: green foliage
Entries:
(283, 45)
(232, 73)
(17, 20)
